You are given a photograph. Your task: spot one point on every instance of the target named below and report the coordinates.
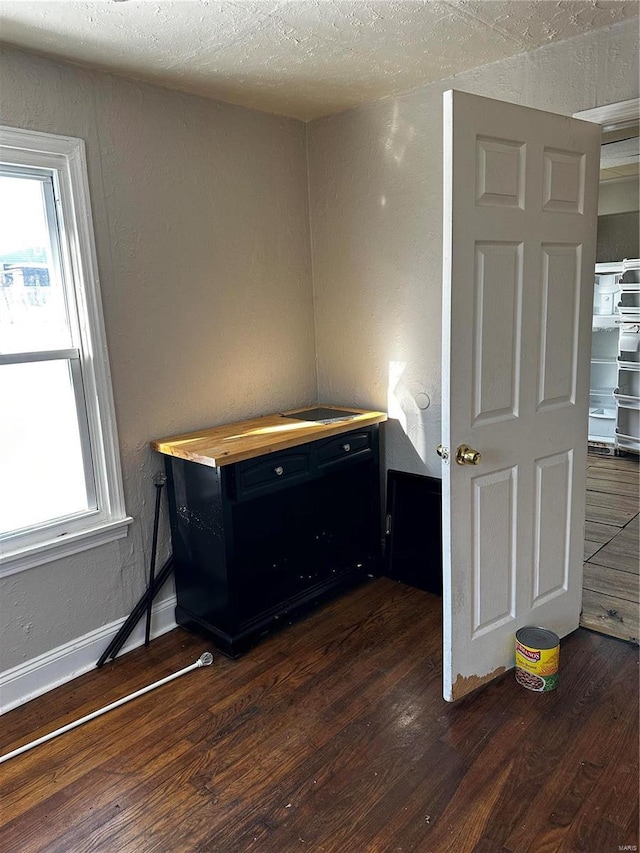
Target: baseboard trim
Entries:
(41, 674)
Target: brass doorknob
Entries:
(467, 456)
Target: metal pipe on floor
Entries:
(205, 659)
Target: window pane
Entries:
(41, 468)
(33, 310)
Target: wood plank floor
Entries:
(611, 584)
(330, 736)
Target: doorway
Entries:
(610, 582)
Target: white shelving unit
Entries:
(627, 391)
(604, 358)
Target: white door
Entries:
(520, 216)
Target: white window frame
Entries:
(65, 159)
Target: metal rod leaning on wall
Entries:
(136, 614)
(204, 660)
(159, 480)
(146, 602)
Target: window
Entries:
(60, 481)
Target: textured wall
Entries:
(618, 237)
(376, 210)
(201, 221)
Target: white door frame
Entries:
(613, 116)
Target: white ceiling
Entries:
(619, 160)
(300, 58)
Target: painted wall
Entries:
(618, 237)
(619, 197)
(201, 220)
(202, 229)
(376, 210)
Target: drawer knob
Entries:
(279, 470)
(346, 447)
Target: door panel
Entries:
(557, 375)
(498, 306)
(551, 527)
(494, 513)
(519, 241)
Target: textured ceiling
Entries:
(301, 58)
(620, 160)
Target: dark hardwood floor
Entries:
(330, 736)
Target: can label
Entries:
(537, 669)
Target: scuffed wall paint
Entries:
(376, 222)
(201, 219)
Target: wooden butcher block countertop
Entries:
(224, 445)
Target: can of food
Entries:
(537, 659)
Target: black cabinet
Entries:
(414, 530)
(257, 542)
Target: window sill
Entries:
(31, 556)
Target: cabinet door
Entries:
(295, 542)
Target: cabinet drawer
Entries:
(270, 472)
(344, 447)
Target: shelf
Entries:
(629, 382)
(603, 360)
(609, 267)
(627, 401)
(605, 322)
(628, 423)
(628, 442)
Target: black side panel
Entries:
(414, 530)
(200, 541)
